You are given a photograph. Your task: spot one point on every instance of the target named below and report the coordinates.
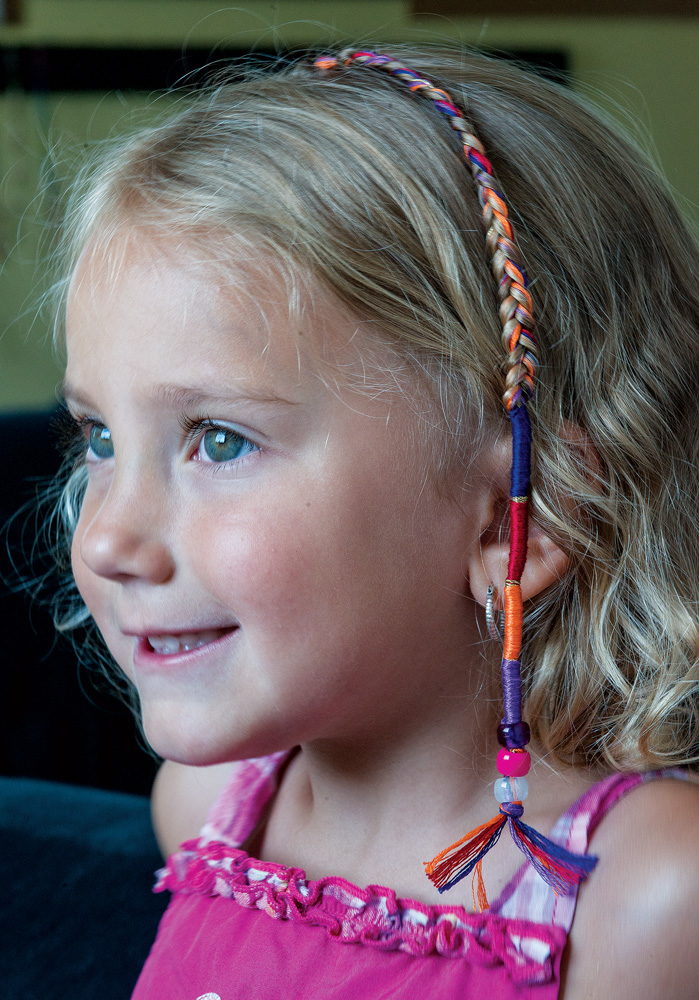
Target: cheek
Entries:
(284, 569)
(268, 555)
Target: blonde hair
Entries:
(351, 179)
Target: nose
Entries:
(122, 538)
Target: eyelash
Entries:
(71, 433)
(196, 427)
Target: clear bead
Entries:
(511, 789)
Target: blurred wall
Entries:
(642, 69)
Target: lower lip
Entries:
(145, 657)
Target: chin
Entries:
(180, 743)
(200, 745)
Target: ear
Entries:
(546, 561)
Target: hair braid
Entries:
(558, 867)
(516, 309)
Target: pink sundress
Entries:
(242, 929)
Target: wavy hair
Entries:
(351, 179)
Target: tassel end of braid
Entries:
(457, 861)
(558, 867)
(561, 869)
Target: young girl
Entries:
(309, 322)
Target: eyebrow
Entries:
(182, 397)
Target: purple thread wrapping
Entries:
(513, 810)
(511, 691)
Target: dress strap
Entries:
(239, 808)
(527, 897)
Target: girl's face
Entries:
(262, 546)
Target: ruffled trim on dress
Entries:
(374, 916)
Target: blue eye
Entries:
(100, 442)
(221, 444)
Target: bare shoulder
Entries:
(635, 926)
(181, 799)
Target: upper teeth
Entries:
(169, 644)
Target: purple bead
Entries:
(513, 735)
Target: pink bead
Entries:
(514, 763)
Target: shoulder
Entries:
(634, 930)
(181, 799)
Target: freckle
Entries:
(308, 503)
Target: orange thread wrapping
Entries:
(512, 598)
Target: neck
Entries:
(372, 807)
(438, 772)
(425, 775)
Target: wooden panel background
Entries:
(9, 11)
(564, 8)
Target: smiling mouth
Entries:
(185, 642)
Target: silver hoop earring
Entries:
(493, 619)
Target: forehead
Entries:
(152, 296)
(147, 317)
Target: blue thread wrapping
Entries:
(520, 474)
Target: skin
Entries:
(288, 544)
(346, 579)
